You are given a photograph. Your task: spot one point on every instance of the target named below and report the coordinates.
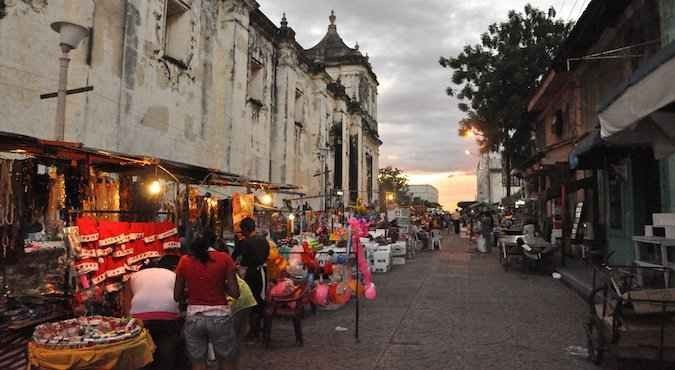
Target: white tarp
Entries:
(639, 104)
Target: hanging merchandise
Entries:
(56, 202)
(276, 264)
(86, 261)
(137, 244)
(167, 235)
(243, 205)
(359, 229)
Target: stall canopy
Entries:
(642, 112)
(107, 160)
(580, 157)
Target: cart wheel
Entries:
(596, 343)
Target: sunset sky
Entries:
(404, 39)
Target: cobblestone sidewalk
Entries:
(443, 310)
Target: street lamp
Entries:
(71, 36)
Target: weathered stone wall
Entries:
(201, 85)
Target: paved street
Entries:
(445, 310)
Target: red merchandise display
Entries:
(110, 250)
(137, 244)
(87, 262)
(167, 236)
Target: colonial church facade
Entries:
(213, 83)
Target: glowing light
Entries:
(155, 187)
(212, 202)
(291, 217)
(467, 152)
(266, 199)
(18, 151)
(340, 193)
(390, 196)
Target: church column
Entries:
(235, 28)
(362, 164)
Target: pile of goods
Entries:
(86, 331)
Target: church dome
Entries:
(332, 49)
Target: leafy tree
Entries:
(393, 180)
(417, 201)
(494, 80)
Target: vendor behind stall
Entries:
(252, 253)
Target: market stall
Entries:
(76, 223)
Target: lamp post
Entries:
(71, 36)
(388, 197)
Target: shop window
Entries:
(255, 82)
(177, 31)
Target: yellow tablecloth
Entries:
(130, 354)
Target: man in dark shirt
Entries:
(252, 252)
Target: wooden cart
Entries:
(632, 314)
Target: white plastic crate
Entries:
(381, 261)
(398, 249)
(384, 248)
(398, 261)
(380, 269)
(663, 219)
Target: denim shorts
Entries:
(219, 330)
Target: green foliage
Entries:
(494, 79)
(393, 180)
(416, 201)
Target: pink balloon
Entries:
(280, 289)
(370, 292)
(320, 296)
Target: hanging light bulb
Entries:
(266, 199)
(155, 187)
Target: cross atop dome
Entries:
(332, 17)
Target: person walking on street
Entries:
(205, 278)
(252, 253)
(456, 217)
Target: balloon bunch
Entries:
(359, 230)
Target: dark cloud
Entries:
(405, 38)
